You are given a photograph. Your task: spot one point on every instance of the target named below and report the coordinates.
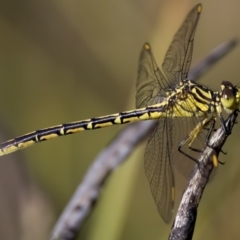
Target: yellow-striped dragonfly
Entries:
(182, 108)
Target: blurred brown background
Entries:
(64, 61)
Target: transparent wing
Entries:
(161, 154)
(151, 82)
(179, 55)
(157, 162)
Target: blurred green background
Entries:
(64, 61)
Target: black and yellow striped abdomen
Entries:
(152, 112)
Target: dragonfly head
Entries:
(230, 96)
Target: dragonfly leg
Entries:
(212, 122)
(209, 130)
(193, 135)
(226, 130)
(222, 163)
(223, 152)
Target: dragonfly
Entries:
(182, 109)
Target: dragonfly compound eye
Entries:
(228, 96)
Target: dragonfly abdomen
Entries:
(152, 112)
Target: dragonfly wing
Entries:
(161, 155)
(150, 80)
(178, 58)
(158, 167)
